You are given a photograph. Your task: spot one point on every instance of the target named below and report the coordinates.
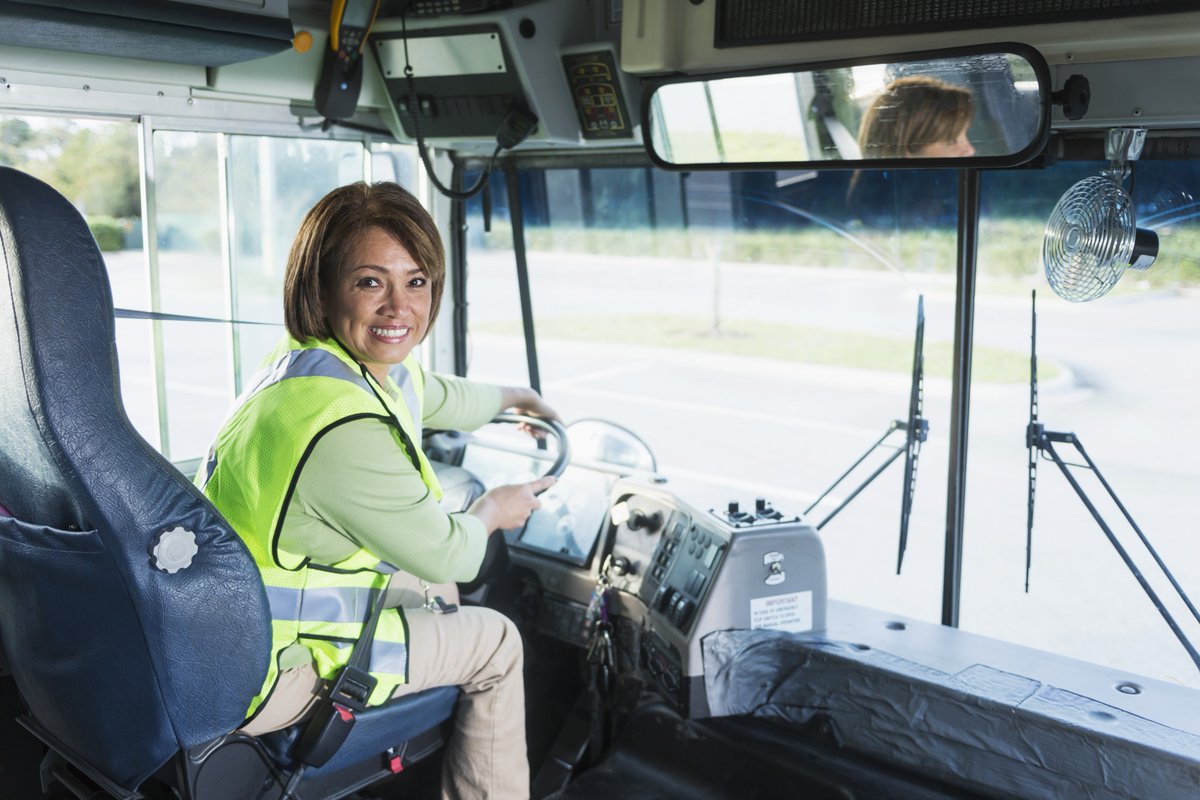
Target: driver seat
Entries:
(134, 620)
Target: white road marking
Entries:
(603, 374)
(720, 411)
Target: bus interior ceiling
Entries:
(754, 652)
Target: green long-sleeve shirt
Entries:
(358, 488)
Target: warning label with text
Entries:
(783, 612)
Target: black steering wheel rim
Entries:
(552, 427)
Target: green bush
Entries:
(109, 233)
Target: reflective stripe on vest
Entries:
(301, 392)
(385, 656)
(326, 604)
(403, 379)
(304, 364)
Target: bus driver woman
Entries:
(918, 116)
(319, 470)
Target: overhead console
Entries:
(469, 71)
(464, 80)
(698, 569)
(663, 36)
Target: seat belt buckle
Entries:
(335, 717)
(352, 688)
(326, 731)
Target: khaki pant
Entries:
(478, 650)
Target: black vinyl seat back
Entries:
(120, 663)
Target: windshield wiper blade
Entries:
(916, 431)
(1042, 441)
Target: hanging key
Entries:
(436, 604)
(597, 610)
(608, 658)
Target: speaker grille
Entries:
(748, 22)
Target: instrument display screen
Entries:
(573, 511)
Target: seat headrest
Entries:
(56, 330)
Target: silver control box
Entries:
(700, 569)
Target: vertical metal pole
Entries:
(587, 201)
(229, 238)
(458, 270)
(517, 214)
(960, 401)
(651, 204)
(150, 243)
(683, 199)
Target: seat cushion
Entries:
(375, 729)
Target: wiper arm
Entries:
(916, 430)
(1040, 440)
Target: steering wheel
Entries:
(554, 429)
(495, 558)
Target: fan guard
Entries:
(1089, 239)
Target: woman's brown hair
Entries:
(329, 231)
(911, 113)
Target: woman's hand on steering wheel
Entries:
(509, 506)
(548, 428)
(525, 401)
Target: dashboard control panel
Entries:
(701, 567)
(685, 561)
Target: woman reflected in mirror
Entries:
(918, 116)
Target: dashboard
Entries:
(680, 565)
(695, 567)
(680, 568)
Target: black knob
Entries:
(640, 520)
(733, 508)
(622, 565)
(760, 505)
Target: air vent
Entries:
(751, 22)
(180, 32)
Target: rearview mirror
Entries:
(987, 106)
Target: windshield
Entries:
(757, 329)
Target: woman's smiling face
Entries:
(378, 305)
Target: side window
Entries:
(273, 182)
(189, 278)
(227, 208)
(94, 164)
(223, 211)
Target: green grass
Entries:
(739, 146)
(797, 343)
(1008, 248)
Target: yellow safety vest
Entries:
(303, 391)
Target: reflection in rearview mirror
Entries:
(987, 106)
(918, 116)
